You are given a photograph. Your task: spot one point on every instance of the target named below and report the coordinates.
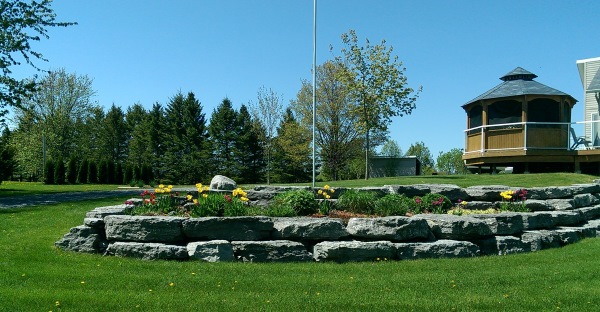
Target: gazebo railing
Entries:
(523, 136)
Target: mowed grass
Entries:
(12, 188)
(34, 275)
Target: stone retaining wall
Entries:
(562, 215)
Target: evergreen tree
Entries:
(7, 153)
(49, 172)
(223, 135)
(59, 172)
(103, 171)
(114, 135)
(118, 179)
(292, 151)
(82, 173)
(92, 172)
(72, 170)
(186, 141)
(248, 150)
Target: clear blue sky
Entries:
(147, 50)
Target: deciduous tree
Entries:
(292, 151)
(376, 81)
(422, 153)
(451, 162)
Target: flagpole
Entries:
(314, 90)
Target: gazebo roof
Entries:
(518, 82)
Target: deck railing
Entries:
(523, 136)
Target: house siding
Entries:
(590, 68)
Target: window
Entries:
(502, 112)
(476, 116)
(543, 110)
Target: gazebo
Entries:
(522, 124)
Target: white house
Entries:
(589, 71)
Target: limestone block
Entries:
(102, 212)
(446, 226)
(453, 192)
(561, 204)
(503, 245)
(211, 251)
(318, 229)
(486, 193)
(584, 200)
(591, 188)
(395, 228)
(228, 228)
(506, 223)
(148, 251)
(83, 239)
(270, 251)
(144, 228)
(537, 220)
(343, 251)
(566, 218)
(96, 223)
(438, 249)
(538, 205)
(409, 190)
(551, 192)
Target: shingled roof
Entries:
(518, 82)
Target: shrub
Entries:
(49, 172)
(433, 203)
(393, 205)
(59, 172)
(82, 173)
(72, 170)
(302, 202)
(357, 202)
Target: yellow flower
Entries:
(244, 199)
(320, 192)
(464, 203)
(204, 195)
(189, 197)
(331, 191)
(195, 201)
(171, 284)
(170, 186)
(158, 191)
(327, 196)
(326, 187)
(161, 186)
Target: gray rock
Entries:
(541, 239)
(486, 193)
(309, 229)
(584, 200)
(537, 205)
(589, 213)
(96, 223)
(453, 192)
(83, 239)
(211, 251)
(503, 245)
(566, 218)
(353, 251)
(479, 205)
(537, 220)
(409, 190)
(220, 182)
(552, 192)
(270, 251)
(147, 251)
(560, 204)
(102, 212)
(591, 188)
(144, 228)
(438, 249)
(228, 228)
(506, 223)
(389, 228)
(456, 227)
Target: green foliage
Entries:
(375, 80)
(72, 170)
(223, 130)
(393, 205)
(357, 201)
(59, 172)
(92, 172)
(23, 23)
(291, 151)
(248, 149)
(432, 203)
(451, 162)
(49, 172)
(7, 156)
(302, 202)
(422, 153)
(391, 149)
(82, 172)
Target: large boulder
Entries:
(507, 223)
(486, 193)
(537, 220)
(211, 251)
(445, 226)
(270, 251)
(148, 251)
(101, 212)
(566, 218)
(83, 239)
(591, 188)
(438, 249)
(503, 245)
(315, 229)
(561, 204)
(453, 192)
(144, 228)
(341, 251)
(584, 200)
(389, 228)
(551, 192)
(590, 213)
(220, 182)
(228, 228)
(409, 190)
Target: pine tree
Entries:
(292, 151)
(223, 135)
(72, 170)
(49, 172)
(248, 150)
(92, 172)
(82, 173)
(59, 172)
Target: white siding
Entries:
(590, 68)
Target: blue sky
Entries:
(147, 50)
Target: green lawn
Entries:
(34, 275)
(11, 188)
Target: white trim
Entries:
(588, 60)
